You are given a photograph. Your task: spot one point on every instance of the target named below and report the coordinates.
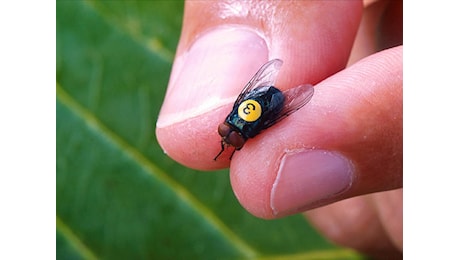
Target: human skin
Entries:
(338, 160)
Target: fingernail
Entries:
(306, 178)
(212, 72)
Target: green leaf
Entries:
(118, 195)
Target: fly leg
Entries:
(232, 154)
(222, 144)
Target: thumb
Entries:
(222, 45)
(346, 142)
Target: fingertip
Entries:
(206, 78)
(211, 72)
(251, 178)
(346, 142)
(194, 142)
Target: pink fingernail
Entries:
(212, 72)
(308, 177)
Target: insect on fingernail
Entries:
(259, 106)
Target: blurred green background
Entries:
(118, 195)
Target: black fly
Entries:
(261, 105)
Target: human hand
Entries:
(346, 142)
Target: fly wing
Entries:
(266, 76)
(294, 99)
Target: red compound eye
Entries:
(236, 140)
(224, 130)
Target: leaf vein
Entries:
(153, 44)
(316, 255)
(73, 239)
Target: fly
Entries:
(259, 106)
